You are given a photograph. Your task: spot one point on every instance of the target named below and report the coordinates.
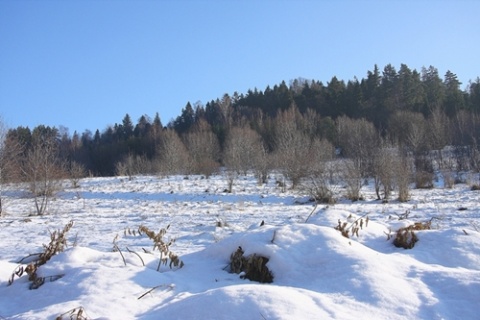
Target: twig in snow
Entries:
(39, 281)
(315, 208)
(274, 235)
(137, 255)
(33, 256)
(170, 287)
(116, 248)
(475, 226)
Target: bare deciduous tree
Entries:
(412, 133)
(204, 149)
(262, 163)
(352, 176)
(358, 140)
(8, 152)
(243, 152)
(292, 147)
(323, 178)
(384, 164)
(173, 157)
(76, 172)
(42, 168)
(133, 165)
(403, 176)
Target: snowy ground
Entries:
(318, 273)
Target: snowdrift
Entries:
(318, 273)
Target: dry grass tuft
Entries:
(161, 244)
(74, 314)
(58, 242)
(354, 227)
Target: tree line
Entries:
(296, 129)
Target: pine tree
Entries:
(434, 89)
(454, 100)
(185, 121)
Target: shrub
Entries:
(406, 237)
(322, 184)
(424, 180)
(254, 267)
(352, 175)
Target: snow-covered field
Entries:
(318, 273)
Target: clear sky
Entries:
(85, 64)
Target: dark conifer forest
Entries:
(289, 127)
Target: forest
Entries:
(397, 127)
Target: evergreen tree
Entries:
(156, 121)
(354, 99)
(474, 95)
(372, 83)
(454, 100)
(388, 98)
(185, 121)
(411, 91)
(142, 127)
(370, 89)
(335, 101)
(434, 89)
(125, 130)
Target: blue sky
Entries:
(85, 64)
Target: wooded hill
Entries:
(414, 112)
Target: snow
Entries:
(318, 273)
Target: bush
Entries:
(322, 184)
(254, 267)
(406, 237)
(424, 180)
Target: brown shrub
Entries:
(406, 237)
(254, 266)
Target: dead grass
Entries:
(353, 228)
(58, 242)
(160, 243)
(75, 313)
